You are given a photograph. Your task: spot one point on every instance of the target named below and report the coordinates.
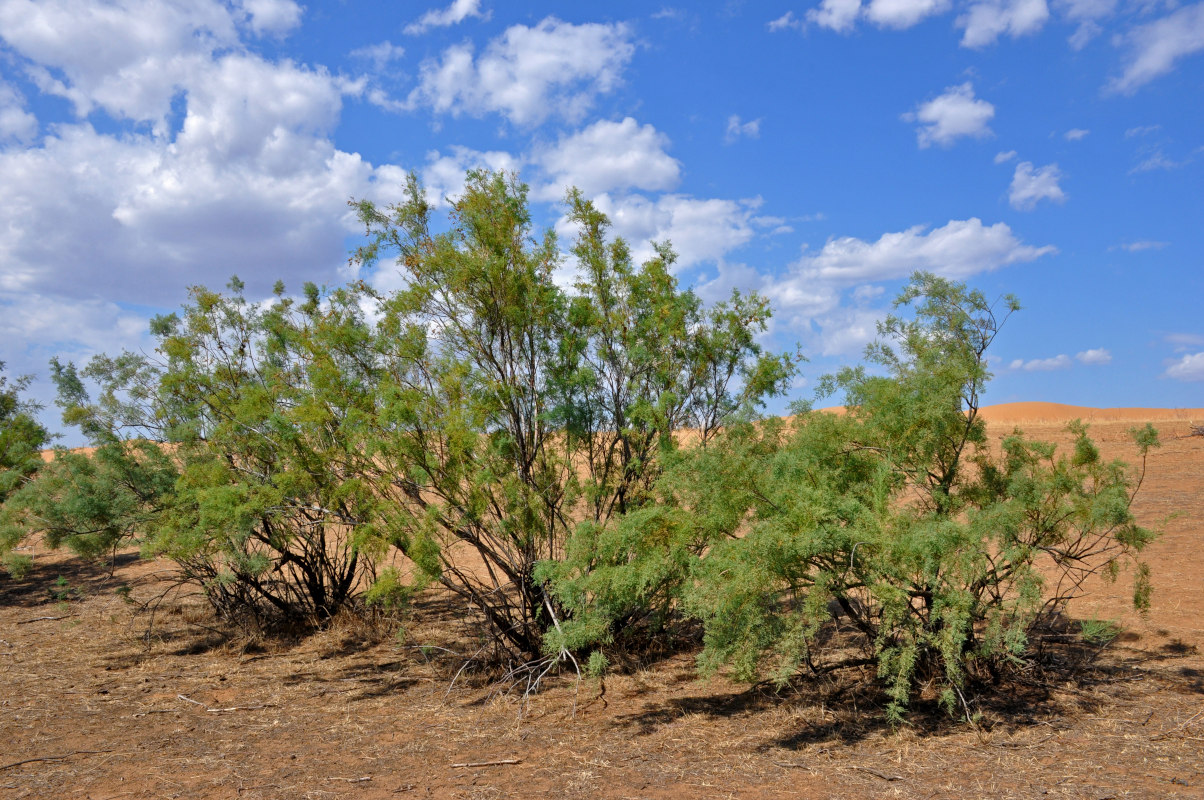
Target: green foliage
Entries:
(282, 452)
(21, 439)
(389, 591)
(94, 503)
(1098, 631)
(21, 436)
(16, 565)
(232, 452)
(511, 411)
(941, 557)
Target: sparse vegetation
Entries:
(586, 468)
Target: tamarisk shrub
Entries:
(945, 556)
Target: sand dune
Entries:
(1061, 413)
(1031, 412)
(1012, 414)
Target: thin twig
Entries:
(40, 619)
(54, 758)
(500, 763)
(224, 710)
(878, 774)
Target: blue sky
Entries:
(815, 152)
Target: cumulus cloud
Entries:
(1075, 134)
(272, 17)
(15, 122)
(609, 156)
(1004, 156)
(736, 128)
(1189, 368)
(900, 14)
(985, 21)
(956, 113)
(1030, 186)
(1041, 364)
(129, 59)
(701, 230)
(958, 249)
(245, 180)
(827, 297)
(1094, 356)
(842, 15)
(1153, 48)
(838, 15)
(528, 74)
(454, 14)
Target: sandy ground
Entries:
(90, 707)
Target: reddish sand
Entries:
(1061, 413)
(92, 704)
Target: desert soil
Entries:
(92, 707)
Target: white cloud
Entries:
(1088, 13)
(1030, 186)
(609, 156)
(1004, 156)
(274, 17)
(985, 21)
(810, 295)
(846, 331)
(528, 74)
(1041, 364)
(900, 14)
(842, 15)
(130, 58)
(248, 181)
(1154, 48)
(867, 292)
(15, 122)
(838, 15)
(1094, 356)
(958, 249)
(737, 128)
(701, 230)
(51, 323)
(1188, 368)
(787, 22)
(1075, 134)
(454, 14)
(379, 55)
(952, 115)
